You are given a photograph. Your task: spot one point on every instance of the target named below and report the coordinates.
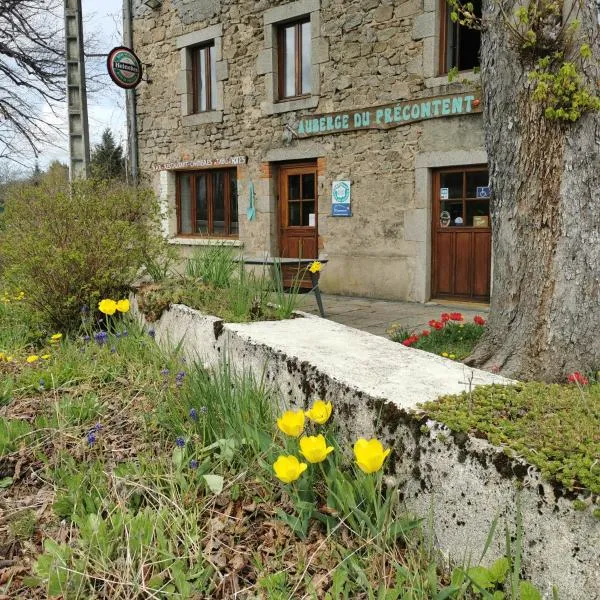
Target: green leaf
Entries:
(6, 482)
(481, 577)
(499, 570)
(528, 591)
(178, 456)
(214, 483)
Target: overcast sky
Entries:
(103, 19)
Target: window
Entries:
(294, 52)
(464, 198)
(459, 45)
(204, 78)
(207, 203)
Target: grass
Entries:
(554, 427)
(216, 284)
(451, 338)
(129, 473)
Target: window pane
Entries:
(294, 216)
(451, 185)
(185, 204)
(451, 42)
(213, 79)
(289, 61)
(219, 202)
(480, 209)
(454, 209)
(308, 208)
(202, 80)
(308, 186)
(306, 60)
(201, 205)
(476, 179)
(294, 187)
(233, 211)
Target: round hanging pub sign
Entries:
(124, 67)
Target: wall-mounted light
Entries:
(153, 4)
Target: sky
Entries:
(106, 108)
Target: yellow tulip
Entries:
(320, 412)
(288, 468)
(370, 455)
(56, 337)
(123, 305)
(32, 358)
(45, 356)
(314, 448)
(315, 267)
(291, 422)
(107, 306)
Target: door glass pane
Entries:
(202, 79)
(233, 211)
(185, 204)
(453, 183)
(289, 60)
(308, 186)
(294, 215)
(219, 202)
(308, 208)
(213, 79)
(201, 204)
(476, 179)
(306, 60)
(478, 213)
(454, 209)
(294, 187)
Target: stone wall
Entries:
(365, 53)
(458, 483)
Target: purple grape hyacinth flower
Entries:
(91, 438)
(193, 414)
(193, 464)
(180, 442)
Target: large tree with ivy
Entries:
(539, 71)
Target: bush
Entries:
(68, 246)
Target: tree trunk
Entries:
(544, 317)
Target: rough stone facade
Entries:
(364, 53)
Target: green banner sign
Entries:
(388, 116)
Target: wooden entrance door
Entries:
(298, 201)
(462, 238)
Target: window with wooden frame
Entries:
(464, 197)
(294, 55)
(459, 44)
(207, 203)
(204, 78)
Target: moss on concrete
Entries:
(554, 427)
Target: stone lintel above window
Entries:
(186, 43)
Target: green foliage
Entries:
(214, 265)
(554, 427)
(69, 247)
(107, 161)
(215, 284)
(560, 88)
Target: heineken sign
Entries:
(124, 67)
(388, 115)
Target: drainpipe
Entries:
(130, 96)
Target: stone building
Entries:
(320, 128)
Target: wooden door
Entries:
(298, 206)
(461, 234)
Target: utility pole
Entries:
(79, 136)
(132, 141)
